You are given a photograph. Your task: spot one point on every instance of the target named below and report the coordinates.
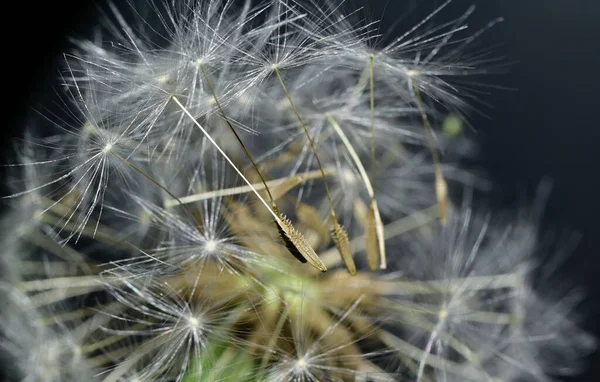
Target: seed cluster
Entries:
(255, 192)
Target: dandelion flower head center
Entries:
(210, 246)
(301, 364)
(195, 322)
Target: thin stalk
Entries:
(441, 188)
(379, 230)
(218, 103)
(72, 315)
(338, 234)
(207, 135)
(310, 140)
(374, 225)
(151, 179)
(471, 283)
(105, 342)
(156, 183)
(60, 283)
(427, 352)
(372, 107)
(54, 295)
(245, 189)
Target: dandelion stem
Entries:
(64, 252)
(85, 231)
(72, 315)
(293, 239)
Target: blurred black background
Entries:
(544, 124)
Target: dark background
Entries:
(545, 124)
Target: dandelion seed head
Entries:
(155, 255)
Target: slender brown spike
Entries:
(340, 238)
(371, 241)
(289, 243)
(296, 243)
